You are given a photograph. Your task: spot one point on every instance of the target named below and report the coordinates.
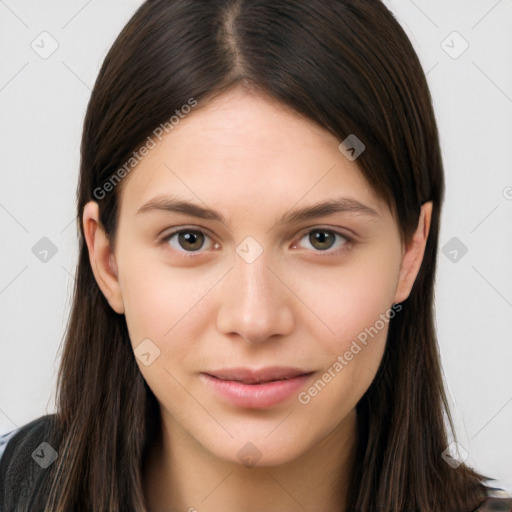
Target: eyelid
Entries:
(345, 233)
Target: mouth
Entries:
(255, 377)
(256, 389)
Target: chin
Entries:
(258, 450)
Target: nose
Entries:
(255, 302)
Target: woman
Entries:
(252, 326)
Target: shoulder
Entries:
(5, 438)
(24, 454)
(495, 505)
(14, 438)
(497, 500)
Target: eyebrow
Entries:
(173, 204)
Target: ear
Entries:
(102, 259)
(413, 255)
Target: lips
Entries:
(256, 389)
(261, 376)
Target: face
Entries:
(265, 289)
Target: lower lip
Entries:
(256, 396)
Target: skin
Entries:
(298, 304)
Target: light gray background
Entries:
(42, 104)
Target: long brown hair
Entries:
(346, 65)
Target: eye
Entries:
(189, 240)
(324, 239)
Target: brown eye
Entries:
(191, 240)
(322, 240)
(187, 240)
(327, 241)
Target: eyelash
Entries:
(349, 241)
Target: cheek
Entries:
(161, 300)
(351, 297)
(359, 310)
(351, 358)
(147, 302)
(164, 305)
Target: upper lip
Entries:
(255, 376)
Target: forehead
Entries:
(247, 151)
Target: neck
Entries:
(180, 475)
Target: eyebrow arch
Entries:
(172, 204)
